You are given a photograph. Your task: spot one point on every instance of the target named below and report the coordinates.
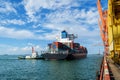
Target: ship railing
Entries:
(104, 70)
(55, 52)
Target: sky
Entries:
(26, 23)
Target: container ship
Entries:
(65, 48)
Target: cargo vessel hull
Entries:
(76, 56)
(54, 56)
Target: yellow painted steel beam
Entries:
(114, 29)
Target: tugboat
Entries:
(65, 48)
(34, 55)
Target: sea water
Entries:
(12, 68)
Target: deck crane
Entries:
(103, 26)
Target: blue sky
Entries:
(26, 23)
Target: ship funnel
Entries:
(64, 34)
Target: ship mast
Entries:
(33, 49)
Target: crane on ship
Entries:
(103, 26)
(109, 24)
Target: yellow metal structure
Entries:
(113, 22)
(109, 24)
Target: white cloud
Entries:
(77, 19)
(18, 34)
(24, 34)
(13, 21)
(13, 49)
(39, 31)
(30, 44)
(63, 11)
(7, 7)
(79, 29)
(74, 21)
(32, 7)
(51, 36)
(9, 49)
(26, 48)
(74, 16)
